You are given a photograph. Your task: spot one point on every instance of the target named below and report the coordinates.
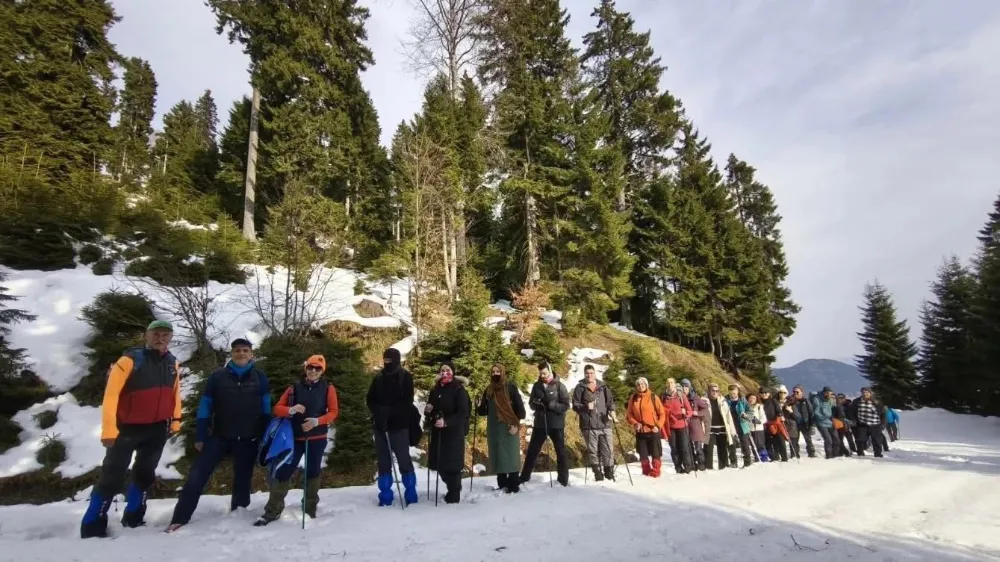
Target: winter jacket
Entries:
(451, 403)
(772, 410)
(320, 401)
(276, 446)
(759, 417)
(550, 403)
(678, 410)
(891, 416)
(600, 416)
(235, 404)
(852, 411)
(701, 416)
(823, 411)
(390, 399)
(740, 410)
(803, 412)
(143, 389)
(645, 409)
(504, 448)
(722, 404)
(791, 413)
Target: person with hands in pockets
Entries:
(140, 411)
(550, 400)
(646, 415)
(312, 406)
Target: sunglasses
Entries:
(314, 368)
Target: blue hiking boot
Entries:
(95, 519)
(410, 494)
(763, 455)
(135, 507)
(385, 490)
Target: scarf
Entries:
(497, 391)
(592, 386)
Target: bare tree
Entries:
(442, 38)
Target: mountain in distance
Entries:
(814, 374)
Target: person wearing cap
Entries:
(823, 406)
(688, 391)
(549, 399)
(802, 414)
(233, 411)
(844, 426)
(390, 402)
(867, 412)
(312, 406)
(141, 409)
(447, 416)
(776, 433)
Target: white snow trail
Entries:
(915, 504)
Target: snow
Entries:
(817, 510)
(79, 428)
(627, 330)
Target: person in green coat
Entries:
(504, 409)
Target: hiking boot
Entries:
(264, 520)
(312, 497)
(135, 507)
(598, 474)
(609, 472)
(95, 519)
(275, 500)
(385, 490)
(410, 495)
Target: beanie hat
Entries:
(827, 389)
(392, 355)
(864, 388)
(316, 361)
(241, 342)
(685, 382)
(160, 325)
(781, 388)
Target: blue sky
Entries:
(875, 123)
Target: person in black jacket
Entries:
(549, 400)
(805, 424)
(234, 409)
(595, 407)
(847, 431)
(867, 412)
(775, 424)
(390, 402)
(447, 416)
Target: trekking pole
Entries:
(437, 473)
(621, 447)
(392, 464)
(305, 484)
(545, 422)
(472, 454)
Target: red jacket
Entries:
(673, 405)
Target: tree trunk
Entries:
(446, 239)
(250, 183)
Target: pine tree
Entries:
(887, 361)
(130, 158)
(528, 58)
(11, 358)
(945, 361)
(57, 96)
(985, 317)
(643, 122)
(319, 122)
(206, 163)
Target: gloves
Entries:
(536, 404)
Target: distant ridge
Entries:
(814, 374)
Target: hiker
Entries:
(867, 412)
(792, 423)
(776, 433)
(757, 431)
(688, 391)
(390, 402)
(233, 411)
(892, 422)
(845, 427)
(312, 406)
(549, 401)
(595, 406)
(504, 409)
(646, 415)
(741, 419)
(675, 429)
(698, 427)
(140, 411)
(822, 406)
(447, 415)
(722, 430)
(803, 420)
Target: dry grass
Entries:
(372, 341)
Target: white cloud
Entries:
(874, 122)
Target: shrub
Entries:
(103, 266)
(545, 342)
(52, 453)
(282, 358)
(10, 433)
(46, 419)
(638, 362)
(118, 321)
(20, 392)
(360, 288)
(89, 254)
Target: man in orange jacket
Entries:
(141, 409)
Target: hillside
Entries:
(814, 374)
(67, 415)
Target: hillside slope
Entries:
(814, 374)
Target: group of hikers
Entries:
(235, 418)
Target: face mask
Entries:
(496, 378)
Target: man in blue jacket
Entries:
(232, 414)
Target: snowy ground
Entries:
(933, 498)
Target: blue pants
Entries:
(314, 459)
(243, 452)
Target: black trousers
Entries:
(720, 443)
(745, 445)
(648, 445)
(847, 443)
(538, 437)
(146, 442)
(453, 483)
(776, 446)
(829, 435)
(509, 482)
(680, 450)
(793, 438)
(893, 431)
(864, 433)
